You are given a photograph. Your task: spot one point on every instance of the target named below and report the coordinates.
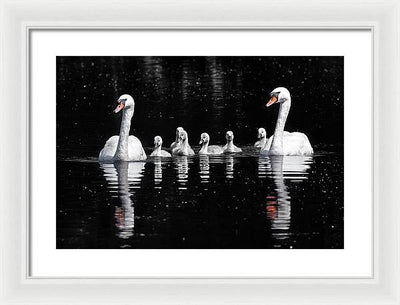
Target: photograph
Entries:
(200, 152)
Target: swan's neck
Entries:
(185, 145)
(157, 149)
(204, 148)
(277, 142)
(122, 148)
(229, 144)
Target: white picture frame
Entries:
(19, 17)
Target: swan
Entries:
(123, 147)
(183, 148)
(230, 147)
(285, 143)
(158, 152)
(176, 143)
(262, 138)
(206, 149)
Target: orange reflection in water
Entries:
(271, 207)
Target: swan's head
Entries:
(278, 95)
(183, 136)
(178, 131)
(229, 136)
(204, 138)
(261, 133)
(125, 101)
(157, 141)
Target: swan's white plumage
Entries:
(161, 153)
(135, 149)
(214, 150)
(262, 135)
(283, 142)
(158, 152)
(231, 149)
(176, 142)
(183, 148)
(123, 147)
(208, 149)
(182, 151)
(294, 144)
(229, 146)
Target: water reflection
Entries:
(264, 165)
(229, 167)
(278, 204)
(236, 202)
(204, 172)
(182, 168)
(157, 172)
(122, 178)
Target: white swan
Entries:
(176, 143)
(208, 149)
(183, 148)
(262, 138)
(158, 152)
(123, 147)
(230, 147)
(285, 143)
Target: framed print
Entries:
(180, 160)
(233, 199)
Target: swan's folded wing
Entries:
(215, 150)
(165, 154)
(296, 144)
(109, 149)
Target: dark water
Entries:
(230, 201)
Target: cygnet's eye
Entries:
(122, 100)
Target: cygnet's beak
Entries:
(201, 141)
(259, 135)
(119, 107)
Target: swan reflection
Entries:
(121, 177)
(229, 167)
(204, 172)
(182, 168)
(158, 174)
(281, 169)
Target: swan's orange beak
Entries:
(119, 107)
(272, 100)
